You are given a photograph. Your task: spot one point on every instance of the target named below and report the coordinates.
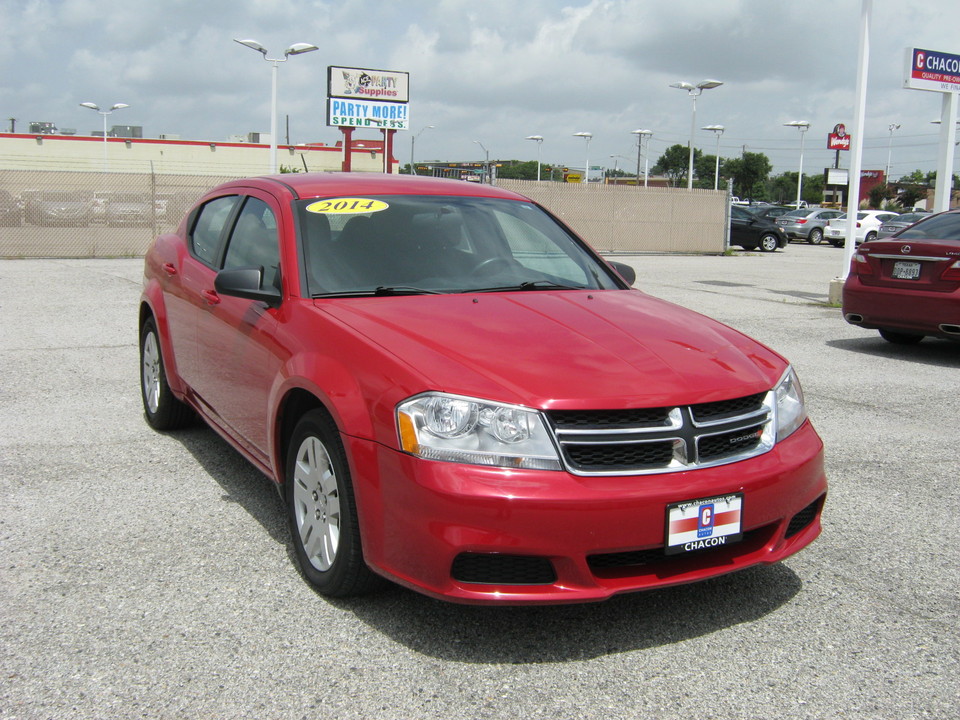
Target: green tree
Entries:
(878, 193)
(704, 170)
(747, 171)
(674, 163)
(517, 170)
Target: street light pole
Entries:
(413, 139)
(802, 126)
(586, 136)
(295, 49)
(891, 128)
(641, 136)
(104, 113)
(718, 129)
(539, 141)
(694, 91)
(486, 164)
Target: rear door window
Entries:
(206, 238)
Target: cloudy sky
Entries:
(489, 70)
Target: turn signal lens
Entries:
(860, 265)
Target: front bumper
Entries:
(493, 536)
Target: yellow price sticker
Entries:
(347, 206)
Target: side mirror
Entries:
(626, 272)
(246, 283)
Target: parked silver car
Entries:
(900, 222)
(806, 223)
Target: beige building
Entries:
(82, 153)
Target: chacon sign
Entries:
(932, 70)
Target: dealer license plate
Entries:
(906, 270)
(704, 523)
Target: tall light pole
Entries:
(486, 164)
(891, 128)
(96, 108)
(295, 49)
(642, 135)
(802, 126)
(586, 136)
(718, 129)
(694, 91)
(539, 141)
(413, 140)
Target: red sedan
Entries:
(452, 391)
(907, 285)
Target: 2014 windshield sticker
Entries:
(347, 206)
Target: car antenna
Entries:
(304, 161)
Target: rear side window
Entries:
(207, 233)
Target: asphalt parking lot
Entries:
(149, 575)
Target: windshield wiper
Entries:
(403, 290)
(379, 291)
(532, 285)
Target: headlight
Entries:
(437, 426)
(791, 412)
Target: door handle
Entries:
(211, 297)
(169, 269)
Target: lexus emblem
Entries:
(905, 249)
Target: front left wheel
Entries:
(321, 510)
(162, 408)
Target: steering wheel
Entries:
(484, 267)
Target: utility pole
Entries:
(13, 125)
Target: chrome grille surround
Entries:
(662, 440)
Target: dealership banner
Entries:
(367, 114)
(932, 70)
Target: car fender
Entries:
(151, 303)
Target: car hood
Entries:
(565, 349)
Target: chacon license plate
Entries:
(705, 523)
(906, 270)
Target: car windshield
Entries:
(934, 227)
(399, 244)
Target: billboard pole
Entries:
(948, 139)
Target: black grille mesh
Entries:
(705, 412)
(585, 419)
(626, 455)
(497, 569)
(803, 518)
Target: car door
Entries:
(188, 275)
(237, 338)
(742, 232)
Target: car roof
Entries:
(338, 184)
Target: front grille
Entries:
(663, 439)
(654, 557)
(498, 569)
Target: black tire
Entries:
(160, 406)
(321, 510)
(769, 242)
(837, 243)
(899, 338)
(815, 237)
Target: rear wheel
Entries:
(870, 236)
(769, 243)
(815, 237)
(900, 338)
(321, 510)
(161, 407)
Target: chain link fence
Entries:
(89, 214)
(623, 219)
(47, 213)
